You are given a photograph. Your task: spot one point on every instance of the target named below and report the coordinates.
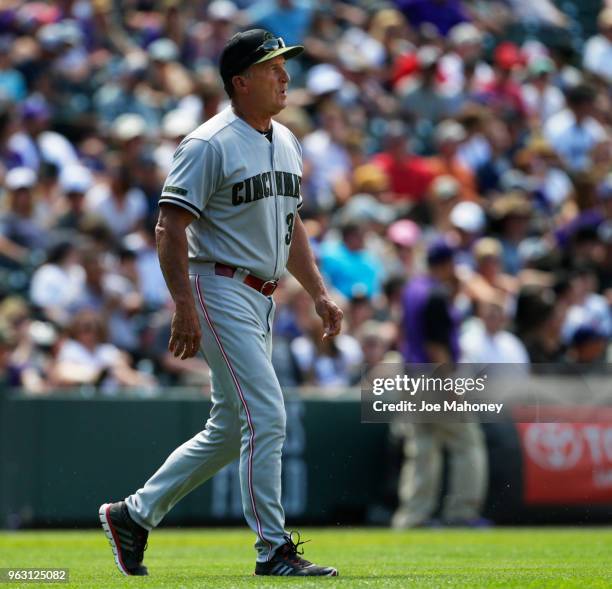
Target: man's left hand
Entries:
(330, 314)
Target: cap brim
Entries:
(286, 52)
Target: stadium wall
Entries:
(60, 457)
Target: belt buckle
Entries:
(265, 287)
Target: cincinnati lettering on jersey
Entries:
(260, 186)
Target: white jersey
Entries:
(243, 190)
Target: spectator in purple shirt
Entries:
(430, 324)
(443, 14)
(430, 327)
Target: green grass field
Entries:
(533, 557)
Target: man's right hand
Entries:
(185, 333)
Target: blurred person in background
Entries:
(468, 222)
(485, 339)
(87, 358)
(604, 264)
(211, 34)
(597, 55)
(58, 283)
(422, 96)
(376, 339)
(168, 79)
(326, 154)
(389, 28)
(539, 319)
(588, 346)
(430, 323)
(207, 97)
(366, 210)
(552, 187)
(465, 56)
(477, 148)
(537, 12)
(368, 179)
(443, 14)
(8, 378)
(149, 277)
(541, 96)
(488, 281)
(121, 206)
(9, 158)
(293, 309)
(12, 83)
(574, 132)
(292, 320)
(22, 237)
(588, 308)
(111, 290)
(503, 94)
(358, 311)
(32, 349)
(405, 236)
(431, 335)
(490, 171)
(292, 18)
(327, 363)
(410, 175)
(320, 44)
(348, 266)
(36, 143)
(511, 214)
(442, 196)
(125, 93)
(75, 181)
(448, 136)
(129, 134)
(175, 126)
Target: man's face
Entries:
(267, 83)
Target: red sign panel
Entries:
(565, 463)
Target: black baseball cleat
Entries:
(287, 562)
(127, 539)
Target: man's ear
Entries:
(240, 84)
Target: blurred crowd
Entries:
(462, 142)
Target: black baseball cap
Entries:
(250, 47)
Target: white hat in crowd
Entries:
(178, 123)
(464, 34)
(223, 10)
(449, 131)
(129, 126)
(324, 78)
(20, 177)
(163, 50)
(75, 178)
(468, 216)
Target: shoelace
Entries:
(293, 547)
(141, 536)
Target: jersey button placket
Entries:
(275, 197)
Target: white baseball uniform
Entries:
(244, 192)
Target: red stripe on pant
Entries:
(246, 409)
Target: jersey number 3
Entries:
(289, 219)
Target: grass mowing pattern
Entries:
(216, 558)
